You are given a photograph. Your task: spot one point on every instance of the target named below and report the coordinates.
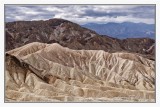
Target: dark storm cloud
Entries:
(82, 13)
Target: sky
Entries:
(82, 14)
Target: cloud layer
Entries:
(82, 13)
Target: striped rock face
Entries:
(40, 72)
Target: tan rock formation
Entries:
(50, 72)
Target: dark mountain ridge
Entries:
(71, 35)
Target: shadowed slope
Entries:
(71, 35)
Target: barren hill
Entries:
(51, 72)
(71, 35)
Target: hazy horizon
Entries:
(82, 14)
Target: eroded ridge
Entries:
(50, 72)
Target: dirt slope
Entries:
(51, 72)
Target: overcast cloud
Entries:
(82, 13)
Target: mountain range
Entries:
(72, 35)
(123, 30)
(60, 61)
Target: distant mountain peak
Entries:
(124, 30)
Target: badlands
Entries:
(41, 72)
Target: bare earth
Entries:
(39, 72)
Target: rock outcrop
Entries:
(53, 73)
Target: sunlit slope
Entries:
(50, 72)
